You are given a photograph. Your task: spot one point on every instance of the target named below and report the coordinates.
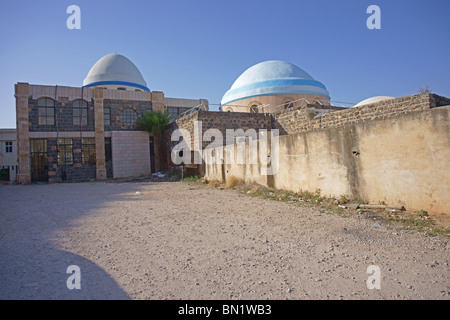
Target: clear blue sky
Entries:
(196, 49)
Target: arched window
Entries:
(128, 117)
(288, 104)
(79, 112)
(254, 109)
(46, 110)
(121, 88)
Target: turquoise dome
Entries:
(271, 78)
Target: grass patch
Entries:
(232, 182)
(214, 183)
(175, 175)
(193, 179)
(420, 221)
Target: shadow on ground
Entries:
(32, 266)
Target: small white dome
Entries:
(373, 100)
(116, 70)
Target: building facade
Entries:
(8, 154)
(90, 132)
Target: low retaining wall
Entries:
(398, 153)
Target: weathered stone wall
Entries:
(117, 106)
(395, 151)
(222, 121)
(305, 119)
(75, 172)
(98, 99)
(63, 117)
(216, 122)
(311, 117)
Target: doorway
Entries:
(152, 154)
(39, 165)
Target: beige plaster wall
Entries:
(401, 160)
(407, 161)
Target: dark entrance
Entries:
(4, 173)
(108, 158)
(38, 154)
(152, 155)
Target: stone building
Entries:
(8, 154)
(90, 132)
(272, 86)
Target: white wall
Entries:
(8, 159)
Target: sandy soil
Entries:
(172, 240)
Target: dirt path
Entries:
(172, 240)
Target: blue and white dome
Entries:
(272, 78)
(115, 70)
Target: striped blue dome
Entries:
(273, 77)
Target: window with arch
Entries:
(254, 109)
(288, 104)
(79, 112)
(46, 112)
(128, 117)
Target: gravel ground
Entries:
(172, 240)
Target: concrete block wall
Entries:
(130, 153)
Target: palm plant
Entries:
(155, 122)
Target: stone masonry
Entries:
(100, 103)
